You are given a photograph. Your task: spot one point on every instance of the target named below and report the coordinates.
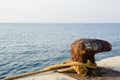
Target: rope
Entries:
(80, 68)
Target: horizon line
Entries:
(59, 23)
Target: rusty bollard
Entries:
(84, 50)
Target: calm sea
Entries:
(31, 47)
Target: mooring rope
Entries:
(80, 68)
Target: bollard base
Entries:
(101, 74)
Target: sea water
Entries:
(27, 47)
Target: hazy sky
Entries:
(60, 11)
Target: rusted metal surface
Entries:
(83, 50)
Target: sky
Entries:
(59, 11)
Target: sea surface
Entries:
(31, 47)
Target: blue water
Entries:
(31, 47)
